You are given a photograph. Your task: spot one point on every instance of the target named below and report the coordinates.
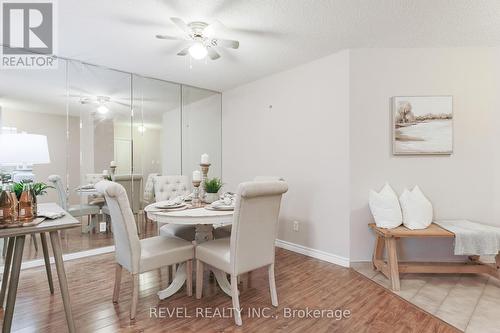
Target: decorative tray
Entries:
(19, 224)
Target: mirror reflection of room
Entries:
(100, 123)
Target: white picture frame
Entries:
(422, 125)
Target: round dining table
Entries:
(203, 219)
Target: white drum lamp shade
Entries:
(23, 149)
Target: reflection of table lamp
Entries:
(23, 151)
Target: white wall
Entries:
(201, 133)
(463, 185)
(303, 137)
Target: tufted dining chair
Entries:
(225, 231)
(149, 189)
(133, 187)
(135, 255)
(93, 178)
(268, 178)
(80, 210)
(148, 196)
(168, 188)
(251, 245)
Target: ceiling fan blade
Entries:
(183, 52)
(121, 103)
(211, 29)
(169, 37)
(213, 54)
(233, 44)
(181, 24)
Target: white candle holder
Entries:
(112, 171)
(196, 201)
(204, 176)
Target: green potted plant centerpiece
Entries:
(212, 187)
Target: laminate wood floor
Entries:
(76, 241)
(302, 283)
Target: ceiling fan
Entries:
(201, 43)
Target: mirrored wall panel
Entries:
(102, 123)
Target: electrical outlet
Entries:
(102, 227)
(296, 226)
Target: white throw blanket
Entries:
(472, 238)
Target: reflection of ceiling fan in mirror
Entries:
(101, 102)
(200, 39)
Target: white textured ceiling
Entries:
(274, 34)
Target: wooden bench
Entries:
(387, 238)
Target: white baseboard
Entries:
(455, 259)
(310, 252)
(67, 257)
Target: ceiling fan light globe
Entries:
(198, 51)
(102, 109)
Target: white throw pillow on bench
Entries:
(417, 209)
(385, 208)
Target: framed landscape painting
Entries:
(422, 125)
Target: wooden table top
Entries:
(403, 232)
(65, 222)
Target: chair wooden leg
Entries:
(91, 224)
(236, 300)
(199, 278)
(272, 285)
(138, 224)
(118, 280)
(392, 261)
(189, 279)
(6, 268)
(46, 259)
(135, 295)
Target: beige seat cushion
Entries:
(186, 232)
(164, 251)
(83, 210)
(215, 253)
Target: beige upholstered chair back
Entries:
(133, 187)
(255, 224)
(268, 178)
(61, 191)
(149, 192)
(93, 178)
(127, 244)
(169, 187)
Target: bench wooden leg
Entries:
(378, 253)
(392, 262)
